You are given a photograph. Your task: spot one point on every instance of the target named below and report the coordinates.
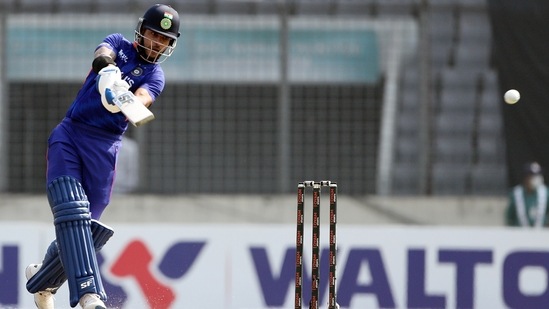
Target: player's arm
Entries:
(102, 57)
(143, 95)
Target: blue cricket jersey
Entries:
(85, 144)
(87, 107)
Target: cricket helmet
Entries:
(162, 19)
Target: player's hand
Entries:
(106, 77)
(106, 80)
(120, 86)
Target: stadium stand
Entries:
(465, 123)
(467, 153)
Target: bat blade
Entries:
(137, 113)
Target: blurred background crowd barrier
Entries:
(388, 97)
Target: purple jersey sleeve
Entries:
(87, 107)
(155, 84)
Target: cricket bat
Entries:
(137, 113)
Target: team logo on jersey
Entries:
(137, 71)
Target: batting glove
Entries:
(106, 79)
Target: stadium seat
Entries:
(109, 6)
(267, 7)
(407, 150)
(449, 178)
(453, 149)
(461, 78)
(442, 24)
(396, 7)
(73, 6)
(235, 7)
(490, 124)
(490, 149)
(489, 179)
(405, 179)
(439, 5)
(473, 3)
(490, 99)
(35, 5)
(474, 26)
(408, 123)
(355, 7)
(454, 124)
(8, 5)
(318, 7)
(458, 99)
(440, 53)
(473, 55)
(409, 87)
(442, 32)
(490, 116)
(409, 96)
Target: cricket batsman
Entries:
(124, 81)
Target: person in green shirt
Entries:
(528, 201)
